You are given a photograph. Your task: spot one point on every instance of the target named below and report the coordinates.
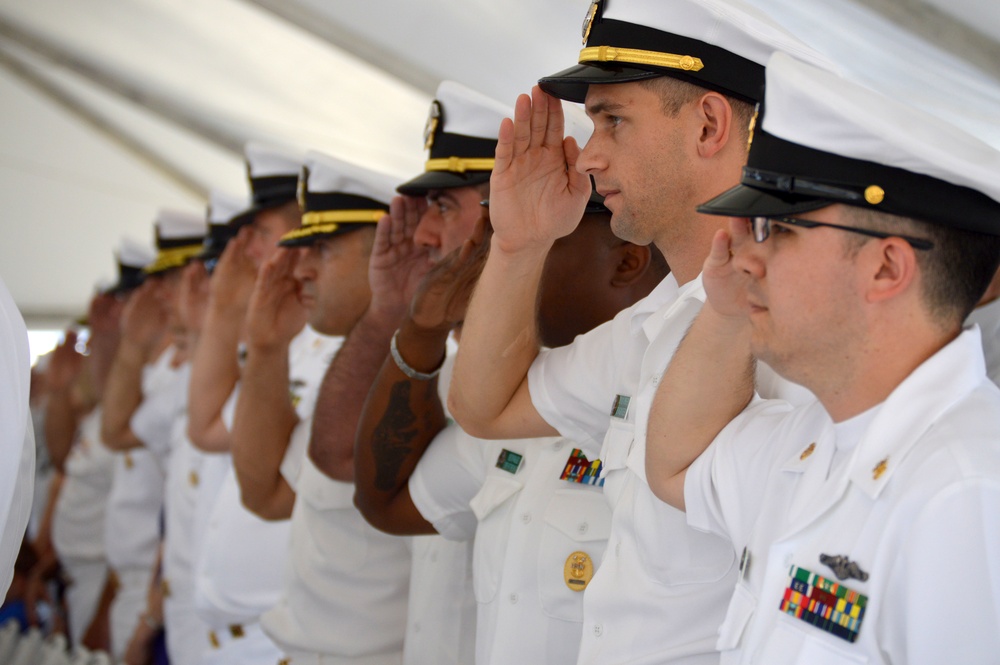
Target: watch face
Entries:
(588, 20)
(433, 119)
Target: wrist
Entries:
(419, 354)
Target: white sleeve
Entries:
(445, 480)
(571, 386)
(724, 487)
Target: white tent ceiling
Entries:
(114, 108)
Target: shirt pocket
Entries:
(790, 643)
(670, 550)
(576, 520)
(492, 506)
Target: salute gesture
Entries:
(536, 193)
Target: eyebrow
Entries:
(603, 106)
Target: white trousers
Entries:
(87, 578)
(129, 603)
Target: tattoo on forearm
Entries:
(393, 436)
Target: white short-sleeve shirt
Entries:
(886, 554)
(662, 588)
(78, 520)
(239, 569)
(528, 524)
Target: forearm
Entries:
(499, 341)
(214, 373)
(400, 419)
(61, 423)
(122, 396)
(262, 427)
(708, 382)
(342, 393)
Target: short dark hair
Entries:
(675, 93)
(955, 272)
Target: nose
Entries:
(428, 231)
(591, 159)
(305, 267)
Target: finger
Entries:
(505, 147)
(720, 253)
(522, 124)
(382, 230)
(540, 114)
(556, 126)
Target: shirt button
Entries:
(598, 630)
(557, 445)
(513, 599)
(618, 549)
(582, 529)
(526, 518)
(788, 559)
(434, 557)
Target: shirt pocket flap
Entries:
(495, 491)
(580, 515)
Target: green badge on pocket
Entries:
(509, 461)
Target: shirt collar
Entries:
(658, 306)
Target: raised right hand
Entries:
(536, 193)
(234, 275)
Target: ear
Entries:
(894, 270)
(633, 262)
(716, 117)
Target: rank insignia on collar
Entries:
(808, 451)
(588, 20)
(823, 603)
(433, 120)
(579, 469)
(619, 408)
(300, 188)
(843, 567)
(880, 468)
(509, 461)
(578, 571)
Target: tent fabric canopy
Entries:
(115, 108)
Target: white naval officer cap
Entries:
(721, 45)
(179, 237)
(273, 174)
(222, 208)
(337, 197)
(461, 135)
(821, 139)
(132, 256)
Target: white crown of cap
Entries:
(331, 174)
(821, 110)
(730, 24)
(223, 206)
(470, 113)
(134, 254)
(178, 224)
(267, 159)
(578, 123)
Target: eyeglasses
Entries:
(762, 230)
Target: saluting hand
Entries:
(397, 264)
(234, 276)
(536, 193)
(443, 296)
(144, 319)
(194, 294)
(725, 284)
(64, 365)
(275, 313)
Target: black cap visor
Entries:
(425, 182)
(744, 201)
(571, 84)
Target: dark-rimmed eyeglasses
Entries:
(762, 230)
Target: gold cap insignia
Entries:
(578, 571)
(874, 194)
(193, 479)
(752, 127)
(588, 20)
(880, 468)
(300, 188)
(808, 451)
(433, 119)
